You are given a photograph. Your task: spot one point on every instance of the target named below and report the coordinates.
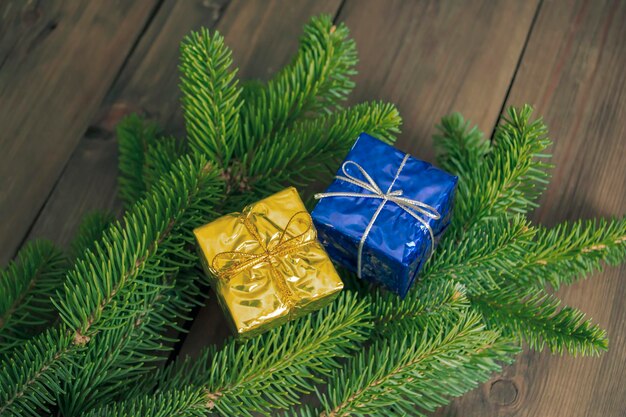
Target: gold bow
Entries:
(230, 263)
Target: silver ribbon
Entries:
(415, 208)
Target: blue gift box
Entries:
(400, 204)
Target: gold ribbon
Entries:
(235, 262)
(415, 208)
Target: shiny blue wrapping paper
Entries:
(398, 245)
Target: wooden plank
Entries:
(147, 85)
(432, 58)
(57, 60)
(89, 183)
(573, 72)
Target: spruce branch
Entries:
(211, 96)
(407, 374)
(26, 286)
(134, 135)
(116, 360)
(128, 262)
(159, 159)
(485, 253)
(316, 81)
(187, 402)
(533, 316)
(314, 147)
(513, 175)
(432, 300)
(33, 373)
(156, 154)
(560, 255)
(461, 149)
(91, 229)
(272, 371)
(150, 243)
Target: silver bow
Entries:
(416, 209)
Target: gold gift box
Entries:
(266, 264)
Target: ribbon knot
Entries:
(227, 264)
(418, 210)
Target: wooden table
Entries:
(70, 70)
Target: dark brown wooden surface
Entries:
(70, 70)
(57, 61)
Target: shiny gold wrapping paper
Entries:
(266, 264)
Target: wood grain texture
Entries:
(57, 60)
(89, 183)
(433, 58)
(147, 85)
(573, 72)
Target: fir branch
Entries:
(461, 149)
(513, 174)
(159, 159)
(26, 286)
(116, 360)
(187, 402)
(533, 316)
(211, 96)
(316, 81)
(128, 262)
(481, 257)
(33, 373)
(407, 374)
(160, 166)
(150, 243)
(477, 366)
(431, 300)
(271, 371)
(91, 229)
(134, 135)
(312, 147)
(562, 254)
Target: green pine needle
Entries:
(272, 371)
(316, 82)
(560, 255)
(211, 96)
(461, 149)
(313, 148)
(533, 316)
(117, 360)
(409, 373)
(159, 159)
(187, 402)
(26, 287)
(102, 284)
(431, 300)
(32, 375)
(134, 135)
(485, 250)
(512, 176)
(90, 230)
